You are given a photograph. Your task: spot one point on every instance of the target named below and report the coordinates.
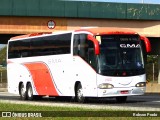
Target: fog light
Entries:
(141, 84)
(104, 91)
(143, 89)
(105, 86)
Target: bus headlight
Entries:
(105, 86)
(141, 84)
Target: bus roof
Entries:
(107, 30)
(37, 34)
(94, 31)
(29, 35)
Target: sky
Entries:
(126, 1)
(2, 45)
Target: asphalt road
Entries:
(147, 102)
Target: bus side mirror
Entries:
(147, 43)
(96, 44)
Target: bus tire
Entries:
(22, 92)
(29, 91)
(79, 94)
(121, 99)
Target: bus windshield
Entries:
(120, 55)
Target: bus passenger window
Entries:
(76, 45)
(83, 46)
(92, 58)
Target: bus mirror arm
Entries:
(147, 43)
(96, 44)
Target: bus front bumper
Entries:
(121, 91)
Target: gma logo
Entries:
(130, 45)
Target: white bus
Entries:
(93, 62)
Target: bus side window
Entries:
(76, 45)
(91, 55)
(80, 46)
(83, 46)
(13, 51)
(13, 54)
(92, 58)
(24, 48)
(25, 54)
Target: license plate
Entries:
(124, 92)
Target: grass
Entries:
(24, 107)
(59, 113)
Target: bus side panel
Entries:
(50, 75)
(41, 78)
(61, 68)
(87, 76)
(17, 73)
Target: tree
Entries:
(3, 56)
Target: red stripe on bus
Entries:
(42, 79)
(8, 62)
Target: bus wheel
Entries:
(121, 99)
(79, 94)
(22, 92)
(29, 92)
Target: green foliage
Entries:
(152, 63)
(152, 58)
(27, 107)
(3, 56)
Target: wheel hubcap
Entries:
(22, 91)
(29, 92)
(80, 94)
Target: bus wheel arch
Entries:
(22, 91)
(79, 92)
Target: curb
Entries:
(3, 87)
(152, 93)
(3, 90)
